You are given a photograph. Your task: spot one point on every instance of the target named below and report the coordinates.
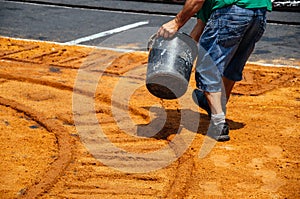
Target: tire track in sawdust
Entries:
(182, 169)
(154, 185)
(178, 188)
(64, 145)
(167, 183)
(176, 182)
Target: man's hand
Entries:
(168, 29)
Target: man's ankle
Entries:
(218, 118)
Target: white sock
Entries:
(218, 118)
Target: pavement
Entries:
(66, 20)
(154, 7)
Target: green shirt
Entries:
(210, 5)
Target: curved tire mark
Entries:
(65, 143)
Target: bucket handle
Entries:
(151, 41)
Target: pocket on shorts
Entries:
(231, 30)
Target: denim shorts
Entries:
(226, 44)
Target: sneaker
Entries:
(219, 132)
(200, 99)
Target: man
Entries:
(232, 29)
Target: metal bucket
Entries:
(170, 64)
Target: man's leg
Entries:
(226, 50)
(200, 98)
(228, 84)
(215, 102)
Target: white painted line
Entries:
(109, 32)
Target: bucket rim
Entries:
(182, 36)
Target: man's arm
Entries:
(197, 30)
(189, 9)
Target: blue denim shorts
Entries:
(226, 44)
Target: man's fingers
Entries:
(164, 33)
